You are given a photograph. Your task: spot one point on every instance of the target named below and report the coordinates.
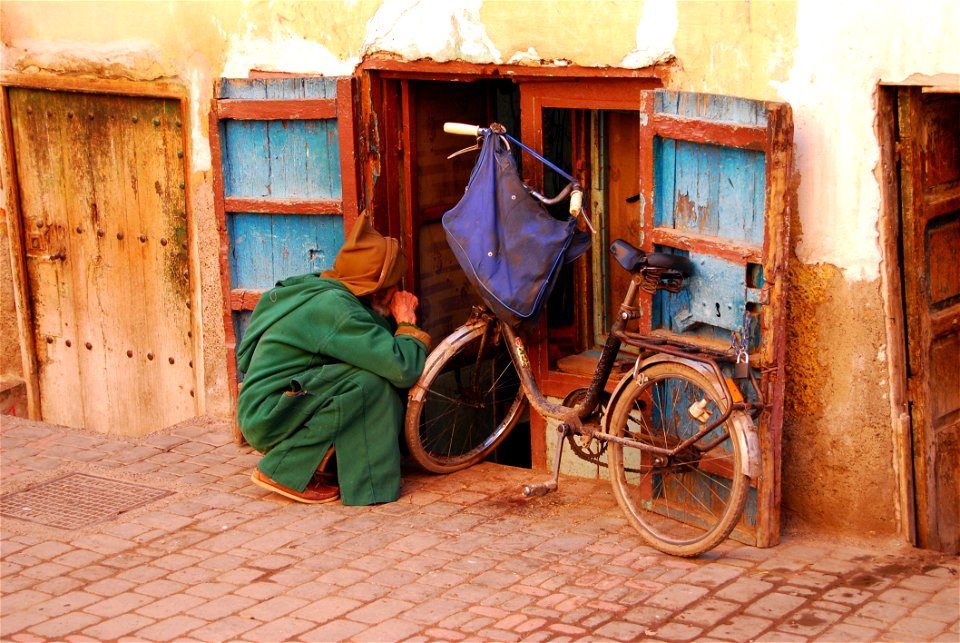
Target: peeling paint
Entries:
(200, 89)
(442, 30)
(133, 59)
(656, 32)
(288, 53)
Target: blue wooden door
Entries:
(286, 185)
(714, 185)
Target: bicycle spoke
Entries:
(466, 408)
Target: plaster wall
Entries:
(825, 59)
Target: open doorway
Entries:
(431, 184)
(567, 120)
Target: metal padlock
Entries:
(741, 370)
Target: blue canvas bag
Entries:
(510, 247)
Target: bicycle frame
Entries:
(571, 418)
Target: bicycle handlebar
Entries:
(462, 129)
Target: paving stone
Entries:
(176, 604)
(115, 628)
(58, 586)
(273, 608)
(280, 629)
(92, 573)
(326, 609)
(364, 591)
(774, 605)
(170, 628)
(340, 630)
(221, 607)
(21, 600)
(676, 596)
(379, 610)
(848, 632)
(706, 613)
(118, 604)
(59, 627)
(922, 628)
(809, 622)
(224, 629)
(622, 631)
(261, 590)
(44, 571)
(18, 621)
(160, 588)
(63, 604)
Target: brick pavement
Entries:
(459, 557)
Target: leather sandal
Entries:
(314, 494)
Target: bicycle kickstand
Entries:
(543, 488)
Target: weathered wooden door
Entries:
(285, 177)
(929, 130)
(102, 197)
(715, 177)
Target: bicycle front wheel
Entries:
(687, 502)
(466, 402)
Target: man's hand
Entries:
(403, 307)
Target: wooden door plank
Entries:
(122, 322)
(246, 170)
(719, 183)
(36, 135)
(83, 261)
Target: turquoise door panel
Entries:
(281, 159)
(709, 190)
(265, 248)
(720, 186)
(280, 163)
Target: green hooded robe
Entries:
(322, 369)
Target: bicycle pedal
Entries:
(539, 488)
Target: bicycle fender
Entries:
(438, 355)
(746, 434)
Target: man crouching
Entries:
(324, 369)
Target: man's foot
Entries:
(314, 494)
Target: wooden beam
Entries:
(275, 110)
(241, 300)
(459, 70)
(282, 206)
(686, 240)
(54, 82)
(697, 130)
(344, 109)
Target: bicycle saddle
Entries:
(634, 259)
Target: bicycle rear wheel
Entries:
(466, 402)
(686, 503)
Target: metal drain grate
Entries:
(77, 500)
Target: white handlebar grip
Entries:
(576, 202)
(461, 128)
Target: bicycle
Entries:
(680, 443)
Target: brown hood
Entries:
(368, 261)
